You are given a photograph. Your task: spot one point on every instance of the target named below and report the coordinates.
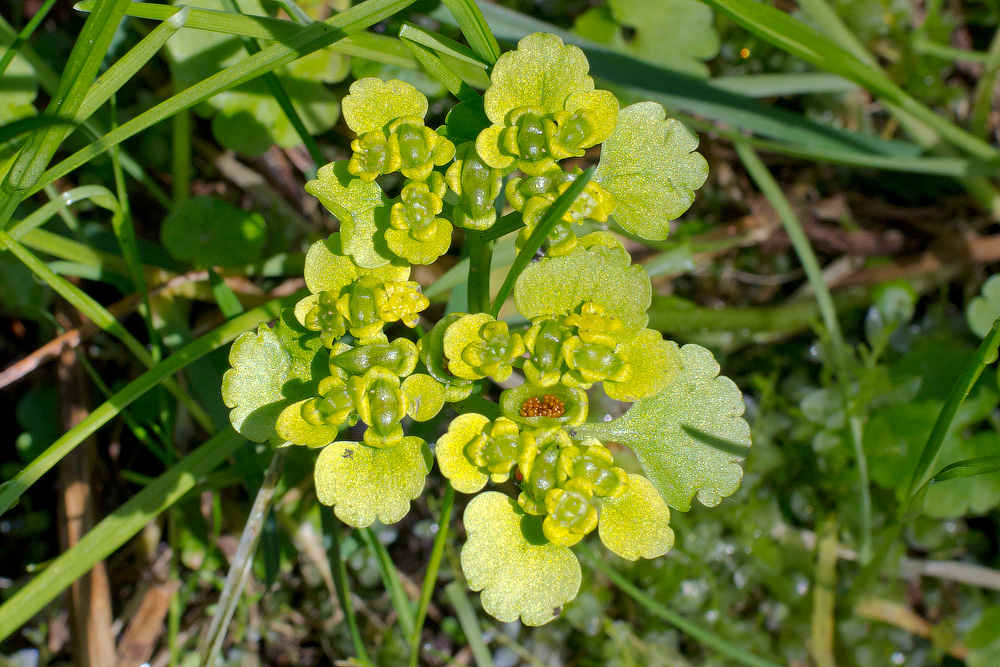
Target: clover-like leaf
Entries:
(362, 209)
(677, 34)
(690, 437)
(372, 104)
(365, 483)
(652, 364)
(598, 274)
(211, 232)
(519, 573)
(252, 386)
(983, 310)
(636, 524)
(649, 165)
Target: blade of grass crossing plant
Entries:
(983, 465)
(73, 251)
(841, 356)
(430, 576)
(411, 32)
(331, 528)
(242, 563)
(12, 490)
(380, 48)
(549, 220)
(798, 39)
(16, 128)
(116, 529)
(709, 639)
(23, 36)
(99, 315)
(475, 28)
(390, 578)
(81, 69)
(228, 302)
(306, 41)
(281, 96)
(985, 355)
(440, 70)
(96, 194)
(470, 623)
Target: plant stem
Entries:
(480, 262)
(430, 577)
(239, 570)
(841, 357)
(331, 526)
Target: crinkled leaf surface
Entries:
(249, 120)
(558, 285)
(211, 232)
(365, 483)
(542, 73)
(677, 34)
(985, 309)
(649, 165)
(372, 104)
(690, 437)
(252, 386)
(360, 207)
(518, 578)
(637, 523)
(653, 364)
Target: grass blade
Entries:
(470, 623)
(306, 41)
(983, 465)
(430, 576)
(338, 566)
(700, 634)
(23, 36)
(475, 28)
(116, 529)
(390, 578)
(553, 214)
(12, 490)
(841, 356)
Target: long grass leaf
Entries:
(470, 623)
(116, 529)
(390, 578)
(841, 356)
(984, 465)
(12, 490)
(431, 575)
(25, 33)
(308, 40)
(475, 28)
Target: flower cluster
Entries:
(333, 363)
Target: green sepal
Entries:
(521, 575)
(690, 437)
(650, 166)
(599, 274)
(450, 451)
(636, 524)
(478, 345)
(381, 404)
(477, 185)
(651, 364)
(365, 483)
(399, 357)
(431, 351)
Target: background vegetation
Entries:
(835, 262)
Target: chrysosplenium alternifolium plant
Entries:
(339, 357)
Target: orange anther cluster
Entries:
(544, 406)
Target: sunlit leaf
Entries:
(637, 523)
(211, 232)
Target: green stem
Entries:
(338, 565)
(469, 621)
(430, 577)
(480, 263)
(239, 570)
(390, 578)
(841, 357)
(693, 630)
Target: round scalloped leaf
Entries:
(328, 268)
(653, 363)
(296, 430)
(356, 204)
(531, 579)
(372, 104)
(558, 285)
(450, 452)
(677, 34)
(649, 165)
(637, 523)
(365, 483)
(985, 309)
(252, 386)
(541, 73)
(211, 232)
(690, 437)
